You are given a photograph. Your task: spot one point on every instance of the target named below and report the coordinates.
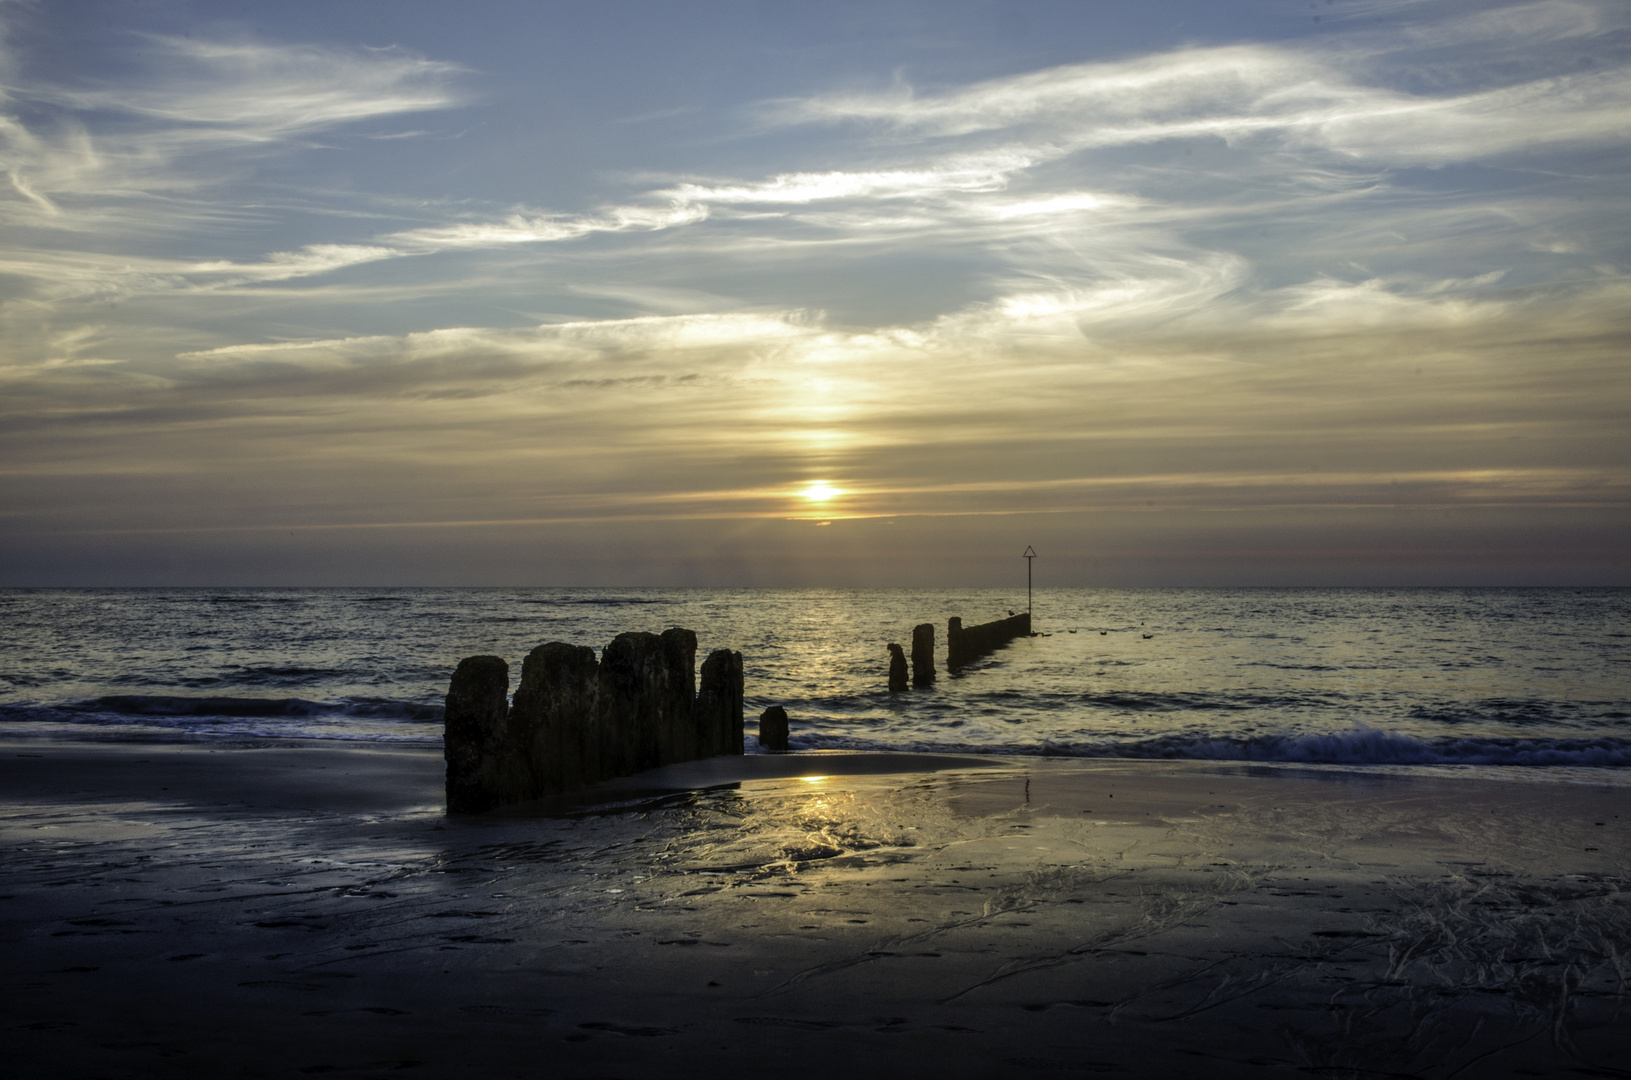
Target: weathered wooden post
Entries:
(624, 703)
(480, 774)
(897, 668)
(773, 730)
(923, 654)
(553, 717)
(676, 720)
(718, 721)
(576, 720)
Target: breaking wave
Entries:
(1359, 745)
(167, 716)
(159, 705)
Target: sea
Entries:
(1532, 682)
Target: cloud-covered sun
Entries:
(820, 492)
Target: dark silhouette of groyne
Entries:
(576, 720)
(964, 645)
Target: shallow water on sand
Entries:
(1531, 677)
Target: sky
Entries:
(1182, 292)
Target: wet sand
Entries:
(307, 910)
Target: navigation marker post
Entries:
(1030, 553)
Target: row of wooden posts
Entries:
(575, 720)
(963, 646)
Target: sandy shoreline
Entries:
(300, 910)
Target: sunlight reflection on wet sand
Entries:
(971, 917)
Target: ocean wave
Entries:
(285, 671)
(1366, 745)
(611, 601)
(180, 706)
(1359, 745)
(1137, 701)
(1517, 711)
(601, 601)
(250, 676)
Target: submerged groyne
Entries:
(576, 720)
(967, 644)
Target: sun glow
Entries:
(820, 492)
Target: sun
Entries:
(820, 492)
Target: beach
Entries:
(1112, 520)
(307, 908)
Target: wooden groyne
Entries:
(964, 645)
(576, 720)
(967, 644)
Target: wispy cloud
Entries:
(1311, 404)
(1525, 26)
(162, 135)
(535, 229)
(965, 173)
(1208, 279)
(1308, 97)
(256, 91)
(1198, 82)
